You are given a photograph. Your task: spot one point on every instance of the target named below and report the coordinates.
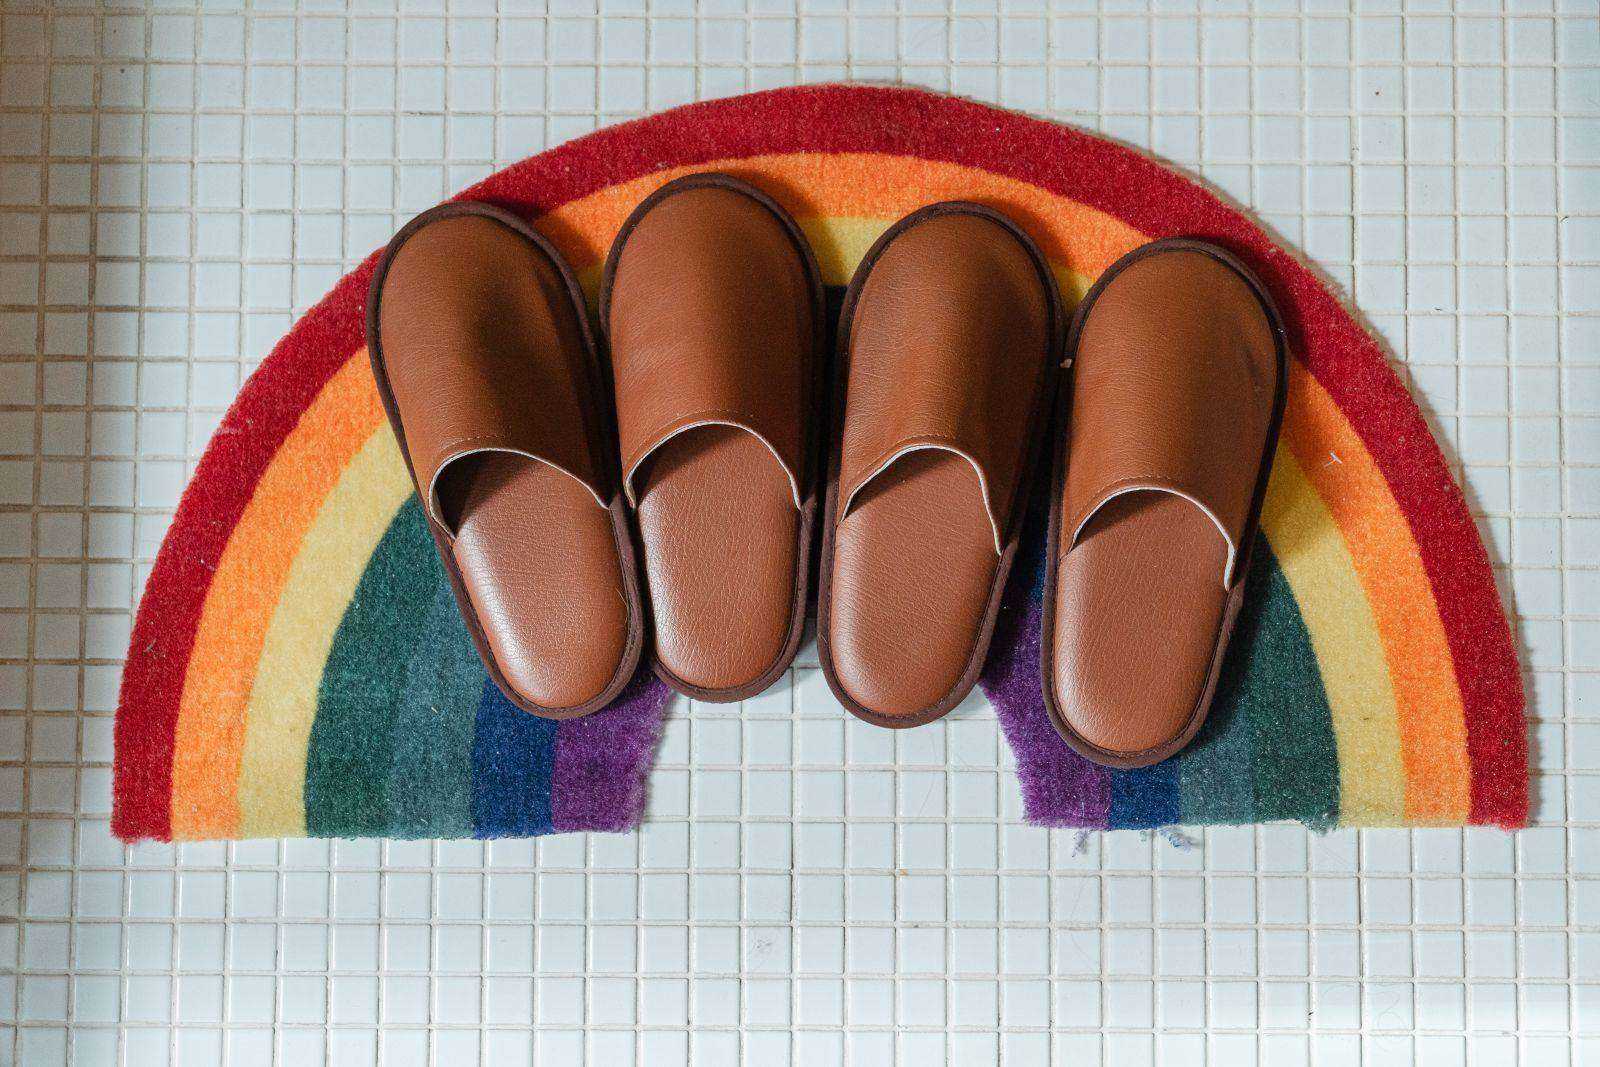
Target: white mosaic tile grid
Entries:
(177, 182)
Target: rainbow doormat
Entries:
(298, 667)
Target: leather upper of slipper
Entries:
(486, 359)
(1174, 383)
(711, 314)
(950, 340)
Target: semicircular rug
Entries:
(298, 667)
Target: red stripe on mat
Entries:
(266, 409)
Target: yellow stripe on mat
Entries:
(244, 595)
(1344, 635)
(864, 185)
(321, 583)
(841, 244)
(1432, 722)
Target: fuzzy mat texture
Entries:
(298, 667)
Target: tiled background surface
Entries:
(176, 183)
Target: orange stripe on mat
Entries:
(1432, 720)
(861, 185)
(244, 593)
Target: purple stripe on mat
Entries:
(601, 761)
(1059, 787)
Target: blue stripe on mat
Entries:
(1145, 797)
(513, 758)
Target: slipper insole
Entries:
(719, 530)
(913, 568)
(1139, 600)
(539, 560)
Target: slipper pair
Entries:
(551, 472)
(698, 439)
(949, 341)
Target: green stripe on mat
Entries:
(430, 773)
(1270, 712)
(1213, 778)
(347, 764)
(1297, 760)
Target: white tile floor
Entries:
(176, 183)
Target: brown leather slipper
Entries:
(949, 341)
(481, 349)
(1177, 391)
(713, 310)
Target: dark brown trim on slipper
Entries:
(600, 425)
(1147, 757)
(810, 418)
(1028, 464)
